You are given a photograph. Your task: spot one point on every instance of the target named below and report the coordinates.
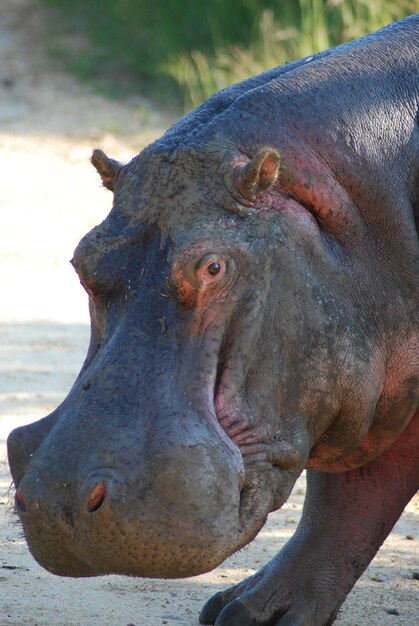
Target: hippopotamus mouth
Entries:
(174, 498)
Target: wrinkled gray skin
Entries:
(253, 299)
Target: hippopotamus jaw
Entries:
(69, 516)
(69, 540)
(77, 513)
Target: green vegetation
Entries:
(190, 48)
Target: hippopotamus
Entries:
(254, 313)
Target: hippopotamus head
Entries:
(222, 357)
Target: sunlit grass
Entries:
(278, 39)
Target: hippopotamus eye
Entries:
(210, 269)
(214, 268)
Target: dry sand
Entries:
(50, 196)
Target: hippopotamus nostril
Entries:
(20, 501)
(31, 492)
(98, 486)
(97, 496)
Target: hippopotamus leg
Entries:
(346, 518)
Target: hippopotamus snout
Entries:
(35, 491)
(167, 506)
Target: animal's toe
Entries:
(235, 614)
(212, 608)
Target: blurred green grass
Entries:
(182, 51)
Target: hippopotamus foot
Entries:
(346, 518)
(291, 590)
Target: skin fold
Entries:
(254, 312)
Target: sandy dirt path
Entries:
(49, 197)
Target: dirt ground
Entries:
(49, 197)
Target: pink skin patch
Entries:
(251, 437)
(20, 500)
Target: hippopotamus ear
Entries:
(258, 174)
(106, 167)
